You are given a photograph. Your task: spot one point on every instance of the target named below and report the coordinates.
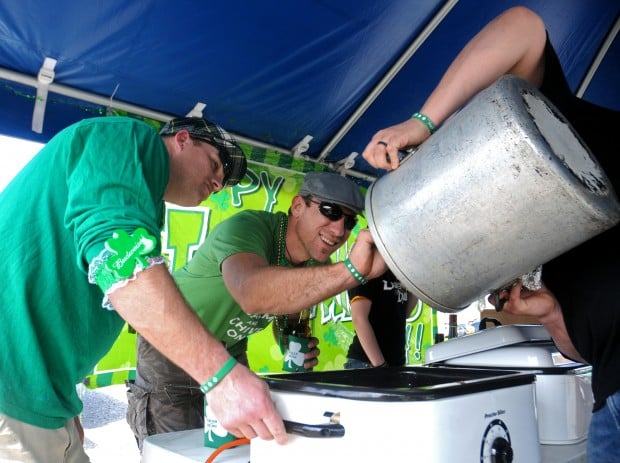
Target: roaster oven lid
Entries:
(398, 383)
(486, 340)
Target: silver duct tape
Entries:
(532, 280)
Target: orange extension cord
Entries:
(227, 445)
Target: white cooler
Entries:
(431, 415)
(563, 387)
(187, 447)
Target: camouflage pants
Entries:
(163, 398)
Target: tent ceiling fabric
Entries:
(273, 72)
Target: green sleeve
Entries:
(115, 181)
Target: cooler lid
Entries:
(398, 384)
(537, 355)
(485, 340)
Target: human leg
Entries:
(163, 398)
(24, 443)
(604, 435)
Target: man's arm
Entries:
(512, 43)
(153, 305)
(543, 305)
(360, 312)
(261, 288)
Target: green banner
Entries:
(270, 184)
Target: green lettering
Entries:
(242, 189)
(185, 230)
(271, 189)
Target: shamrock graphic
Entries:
(294, 355)
(128, 251)
(213, 429)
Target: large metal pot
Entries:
(505, 185)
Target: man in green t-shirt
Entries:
(253, 266)
(81, 255)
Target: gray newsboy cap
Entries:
(333, 188)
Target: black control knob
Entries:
(501, 451)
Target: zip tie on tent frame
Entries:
(348, 162)
(197, 111)
(110, 108)
(44, 79)
(301, 147)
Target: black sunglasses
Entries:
(227, 164)
(334, 213)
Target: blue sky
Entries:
(14, 154)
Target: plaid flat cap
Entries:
(231, 154)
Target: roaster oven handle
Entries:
(314, 430)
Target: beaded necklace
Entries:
(282, 262)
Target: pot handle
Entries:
(485, 320)
(314, 430)
(407, 153)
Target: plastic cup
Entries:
(294, 356)
(215, 434)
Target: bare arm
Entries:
(543, 305)
(261, 288)
(360, 311)
(512, 43)
(153, 305)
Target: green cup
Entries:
(215, 434)
(294, 355)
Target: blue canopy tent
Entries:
(312, 78)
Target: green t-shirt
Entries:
(202, 284)
(94, 177)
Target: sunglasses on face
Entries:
(225, 159)
(334, 213)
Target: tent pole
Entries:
(84, 96)
(116, 104)
(599, 58)
(361, 109)
(60, 89)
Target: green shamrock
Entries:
(222, 199)
(128, 251)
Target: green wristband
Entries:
(219, 376)
(356, 274)
(426, 121)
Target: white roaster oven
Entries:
(413, 414)
(563, 393)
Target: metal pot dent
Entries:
(505, 185)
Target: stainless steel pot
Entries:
(505, 185)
